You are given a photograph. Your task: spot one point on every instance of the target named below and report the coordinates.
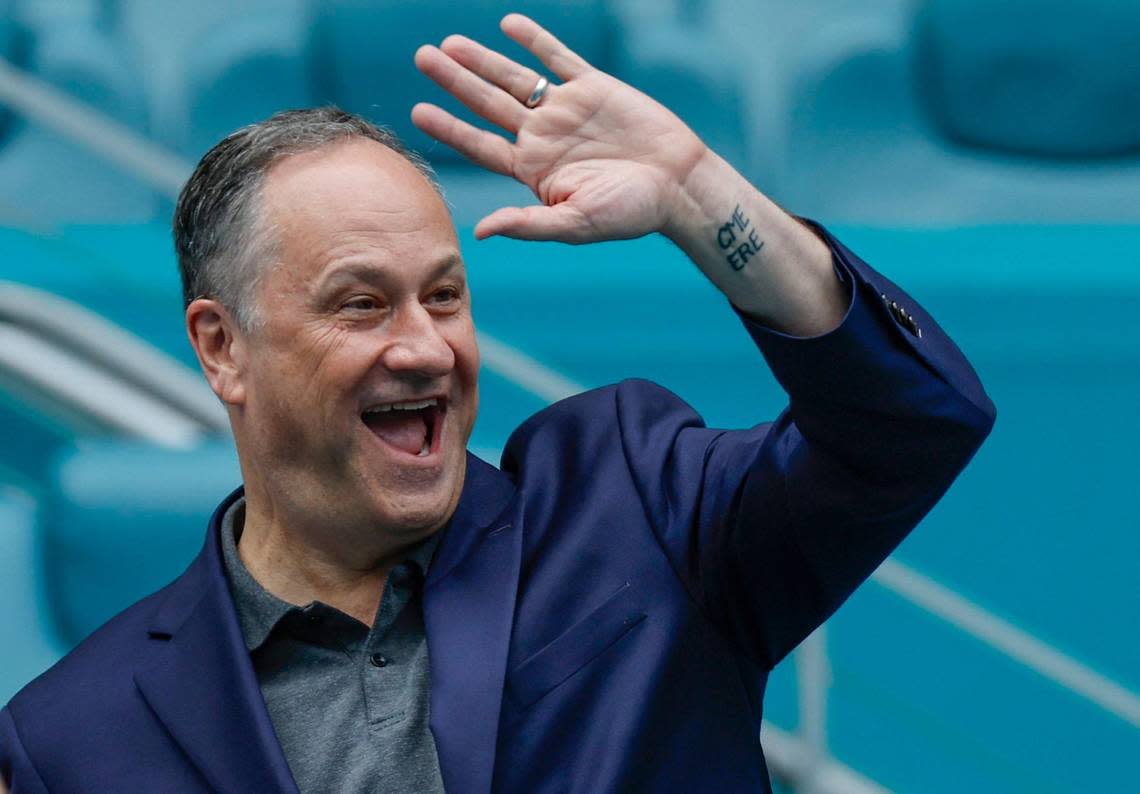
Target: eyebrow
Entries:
(372, 273)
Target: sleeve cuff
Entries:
(852, 363)
(844, 278)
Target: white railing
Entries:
(803, 759)
(95, 370)
(45, 104)
(1015, 643)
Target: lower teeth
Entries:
(425, 449)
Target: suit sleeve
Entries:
(16, 768)
(772, 528)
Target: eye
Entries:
(445, 296)
(361, 303)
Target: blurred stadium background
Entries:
(984, 154)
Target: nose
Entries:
(416, 345)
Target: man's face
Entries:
(360, 382)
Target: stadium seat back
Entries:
(29, 646)
(45, 176)
(1037, 77)
(89, 67)
(122, 520)
(243, 70)
(363, 51)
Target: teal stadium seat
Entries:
(1048, 78)
(964, 112)
(40, 16)
(126, 274)
(683, 68)
(97, 272)
(186, 46)
(243, 70)
(121, 520)
(363, 55)
(29, 643)
(8, 54)
(45, 178)
(363, 51)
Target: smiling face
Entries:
(358, 386)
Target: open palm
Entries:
(605, 160)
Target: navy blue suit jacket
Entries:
(602, 612)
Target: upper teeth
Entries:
(413, 405)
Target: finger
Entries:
(488, 101)
(514, 78)
(561, 222)
(487, 149)
(555, 55)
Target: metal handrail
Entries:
(40, 100)
(85, 335)
(108, 375)
(1013, 642)
(794, 760)
(101, 399)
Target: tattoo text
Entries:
(731, 239)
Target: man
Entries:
(380, 611)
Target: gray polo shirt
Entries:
(349, 704)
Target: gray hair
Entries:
(220, 233)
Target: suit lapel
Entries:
(199, 681)
(469, 604)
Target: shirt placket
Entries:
(383, 664)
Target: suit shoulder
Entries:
(101, 662)
(594, 409)
(609, 421)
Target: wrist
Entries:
(769, 264)
(689, 212)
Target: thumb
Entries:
(562, 222)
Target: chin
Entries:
(419, 513)
(410, 497)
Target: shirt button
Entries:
(378, 660)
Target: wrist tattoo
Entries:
(738, 239)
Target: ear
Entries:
(220, 346)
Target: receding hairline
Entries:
(218, 224)
(307, 158)
(276, 195)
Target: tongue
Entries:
(402, 429)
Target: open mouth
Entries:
(412, 426)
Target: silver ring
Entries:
(538, 92)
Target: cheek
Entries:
(311, 371)
(467, 366)
(466, 349)
(328, 348)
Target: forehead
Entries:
(354, 197)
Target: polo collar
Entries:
(258, 610)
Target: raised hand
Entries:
(606, 161)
